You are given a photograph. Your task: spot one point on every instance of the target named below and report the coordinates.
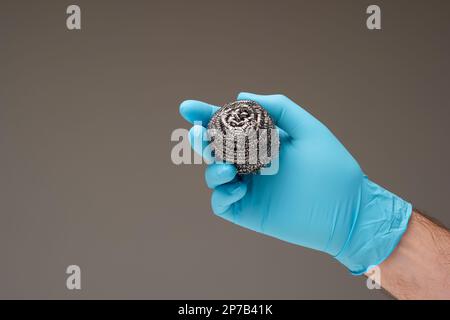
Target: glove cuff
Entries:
(382, 219)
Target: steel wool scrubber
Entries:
(243, 133)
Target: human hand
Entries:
(319, 198)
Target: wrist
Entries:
(420, 261)
(380, 223)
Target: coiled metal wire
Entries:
(243, 133)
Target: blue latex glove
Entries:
(320, 197)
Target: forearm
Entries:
(419, 268)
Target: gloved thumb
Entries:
(286, 114)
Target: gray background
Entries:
(86, 117)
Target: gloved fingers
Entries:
(286, 114)
(197, 111)
(228, 215)
(283, 135)
(217, 174)
(224, 196)
(199, 142)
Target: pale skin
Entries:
(419, 268)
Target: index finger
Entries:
(197, 111)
